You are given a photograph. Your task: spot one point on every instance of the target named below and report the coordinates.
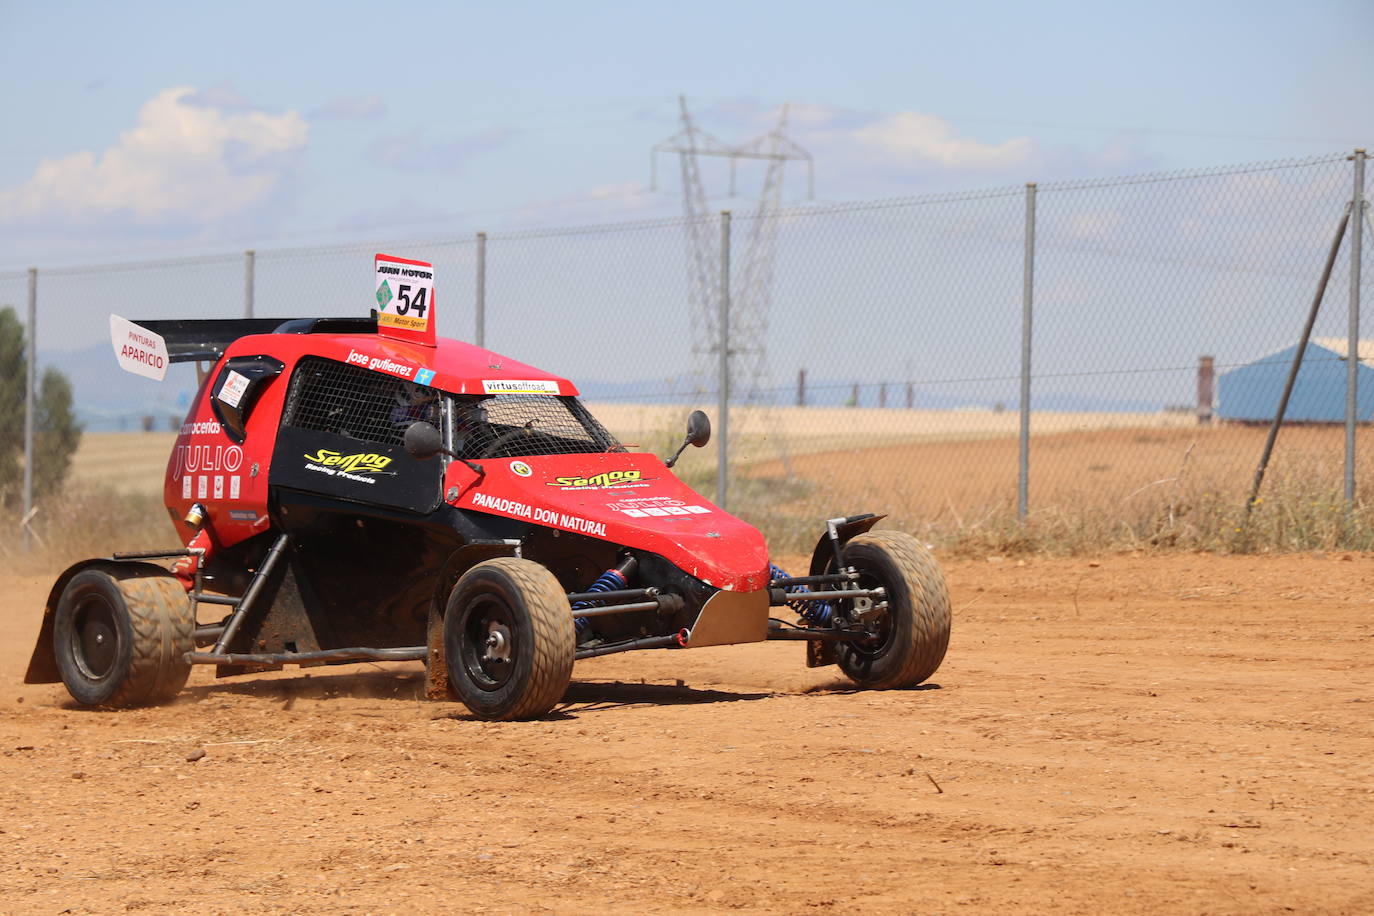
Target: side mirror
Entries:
(698, 434)
(698, 429)
(422, 440)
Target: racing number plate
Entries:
(405, 299)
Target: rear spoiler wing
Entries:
(206, 339)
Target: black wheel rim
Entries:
(490, 644)
(95, 637)
(876, 645)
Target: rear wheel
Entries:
(509, 639)
(913, 633)
(120, 637)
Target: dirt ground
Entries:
(1133, 734)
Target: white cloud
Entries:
(907, 139)
(863, 153)
(192, 156)
(912, 135)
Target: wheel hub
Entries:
(96, 641)
(497, 643)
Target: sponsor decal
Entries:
(389, 366)
(187, 459)
(519, 386)
(202, 487)
(607, 480)
(520, 469)
(543, 516)
(502, 505)
(243, 515)
(203, 427)
(231, 392)
(219, 486)
(138, 349)
(186, 487)
(350, 467)
(642, 506)
(234, 483)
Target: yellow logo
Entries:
(350, 464)
(608, 479)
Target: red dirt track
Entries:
(1176, 734)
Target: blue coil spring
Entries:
(816, 612)
(609, 581)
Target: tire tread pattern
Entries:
(553, 638)
(920, 643)
(163, 632)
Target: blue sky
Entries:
(148, 129)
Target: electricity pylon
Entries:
(751, 297)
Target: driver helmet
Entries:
(414, 402)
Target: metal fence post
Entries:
(481, 338)
(1027, 302)
(249, 261)
(30, 379)
(1352, 355)
(723, 346)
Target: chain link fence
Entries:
(877, 351)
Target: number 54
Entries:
(406, 303)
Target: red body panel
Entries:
(623, 498)
(229, 480)
(215, 468)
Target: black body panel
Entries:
(232, 405)
(345, 468)
(196, 339)
(368, 576)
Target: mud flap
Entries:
(820, 654)
(42, 667)
(844, 530)
(437, 686)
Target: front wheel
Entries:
(120, 637)
(913, 633)
(509, 640)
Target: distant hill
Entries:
(109, 399)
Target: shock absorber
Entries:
(617, 577)
(813, 612)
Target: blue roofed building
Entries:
(1250, 393)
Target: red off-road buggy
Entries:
(345, 495)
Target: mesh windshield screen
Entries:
(351, 401)
(514, 425)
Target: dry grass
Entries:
(1118, 488)
(1158, 486)
(123, 462)
(88, 523)
(112, 501)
